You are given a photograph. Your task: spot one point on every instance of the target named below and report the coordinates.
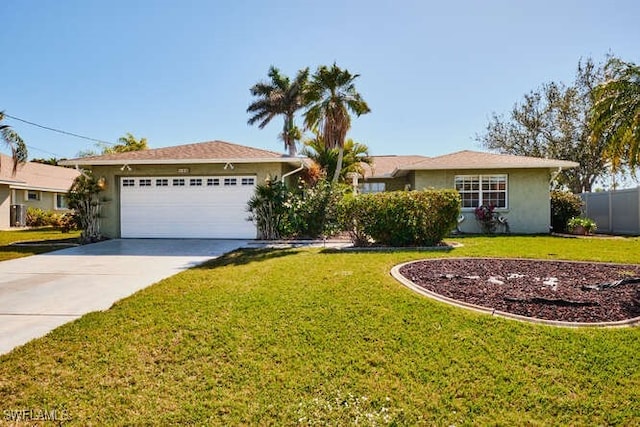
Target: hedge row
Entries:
(400, 218)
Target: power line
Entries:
(31, 147)
(59, 131)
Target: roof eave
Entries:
(404, 170)
(113, 162)
(37, 188)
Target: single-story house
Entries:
(187, 191)
(518, 186)
(33, 185)
(201, 190)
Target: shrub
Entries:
(564, 206)
(400, 218)
(37, 217)
(312, 210)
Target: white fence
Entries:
(615, 212)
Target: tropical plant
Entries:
(279, 97)
(267, 209)
(127, 143)
(12, 140)
(84, 198)
(330, 99)
(354, 155)
(616, 113)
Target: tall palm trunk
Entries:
(336, 174)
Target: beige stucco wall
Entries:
(391, 184)
(528, 205)
(110, 214)
(47, 200)
(5, 206)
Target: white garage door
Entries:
(186, 207)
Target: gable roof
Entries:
(36, 176)
(201, 152)
(467, 159)
(384, 166)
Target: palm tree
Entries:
(616, 113)
(280, 96)
(12, 140)
(127, 143)
(331, 97)
(354, 155)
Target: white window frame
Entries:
(57, 198)
(466, 184)
(128, 182)
(145, 182)
(36, 195)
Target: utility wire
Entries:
(60, 131)
(30, 147)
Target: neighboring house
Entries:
(188, 191)
(517, 185)
(33, 185)
(201, 190)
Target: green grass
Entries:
(43, 235)
(312, 337)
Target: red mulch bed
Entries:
(551, 290)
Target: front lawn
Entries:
(312, 337)
(48, 239)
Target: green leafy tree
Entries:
(279, 97)
(355, 154)
(12, 140)
(616, 113)
(553, 122)
(331, 99)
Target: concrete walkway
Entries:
(42, 292)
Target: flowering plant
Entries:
(487, 217)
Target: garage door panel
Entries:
(186, 211)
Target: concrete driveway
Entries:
(42, 292)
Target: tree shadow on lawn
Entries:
(246, 256)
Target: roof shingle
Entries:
(480, 160)
(209, 151)
(36, 175)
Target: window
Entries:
(145, 183)
(248, 181)
(195, 182)
(212, 182)
(372, 187)
(33, 195)
(230, 181)
(178, 182)
(477, 190)
(128, 182)
(61, 201)
(162, 182)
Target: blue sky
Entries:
(179, 71)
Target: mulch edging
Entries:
(468, 283)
